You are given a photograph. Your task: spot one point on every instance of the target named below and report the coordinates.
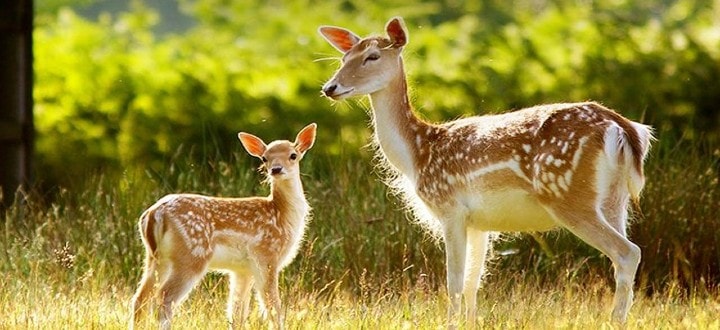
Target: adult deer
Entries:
(572, 165)
(252, 239)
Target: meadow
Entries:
(72, 260)
(125, 114)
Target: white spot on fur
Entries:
(578, 152)
(549, 159)
(554, 188)
(509, 164)
(568, 176)
(565, 147)
(561, 183)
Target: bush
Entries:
(111, 94)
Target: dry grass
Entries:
(73, 263)
(576, 306)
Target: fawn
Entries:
(251, 239)
(570, 165)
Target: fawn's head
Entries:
(280, 158)
(369, 64)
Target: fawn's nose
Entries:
(329, 89)
(276, 170)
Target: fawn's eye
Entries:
(264, 160)
(293, 156)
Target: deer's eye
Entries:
(293, 156)
(264, 160)
(372, 57)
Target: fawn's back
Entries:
(229, 231)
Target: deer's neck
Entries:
(289, 197)
(397, 130)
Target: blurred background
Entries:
(135, 99)
(127, 83)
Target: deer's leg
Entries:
(239, 298)
(180, 281)
(145, 291)
(590, 225)
(269, 294)
(478, 244)
(615, 209)
(455, 236)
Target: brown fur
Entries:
(573, 165)
(252, 239)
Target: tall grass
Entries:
(361, 257)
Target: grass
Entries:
(73, 260)
(526, 306)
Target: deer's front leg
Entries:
(478, 245)
(239, 298)
(270, 294)
(455, 237)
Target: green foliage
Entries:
(110, 94)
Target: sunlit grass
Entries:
(73, 261)
(527, 306)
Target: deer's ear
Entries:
(253, 144)
(397, 32)
(306, 138)
(339, 38)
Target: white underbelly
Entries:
(231, 251)
(512, 210)
(227, 258)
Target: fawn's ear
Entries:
(306, 138)
(397, 32)
(339, 38)
(253, 144)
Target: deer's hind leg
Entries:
(181, 279)
(141, 301)
(614, 198)
(590, 225)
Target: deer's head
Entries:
(368, 64)
(280, 158)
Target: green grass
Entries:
(73, 259)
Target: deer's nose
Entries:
(328, 90)
(276, 170)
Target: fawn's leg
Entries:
(144, 292)
(180, 282)
(239, 298)
(267, 286)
